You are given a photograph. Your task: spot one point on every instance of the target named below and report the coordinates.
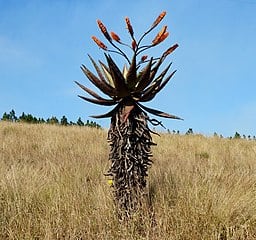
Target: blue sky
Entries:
(43, 44)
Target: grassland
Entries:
(52, 187)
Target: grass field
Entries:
(52, 187)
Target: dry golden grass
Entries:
(52, 187)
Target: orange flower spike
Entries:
(129, 26)
(134, 45)
(143, 58)
(159, 19)
(115, 36)
(171, 49)
(163, 37)
(159, 35)
(104, 30)
(99, 43)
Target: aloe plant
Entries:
(129, 136)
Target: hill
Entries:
(52, 186)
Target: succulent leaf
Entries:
(131, 77)
(125, 72)
(108, 114)
(155, 87)
(158, 113)
(107, 74)
(118, 78)
(89, 91)
(144, 77)
(99, 101)
(155, 69)
(97, 69)
(98, 83)
(102, 78)
(166, 81)
(158, 80)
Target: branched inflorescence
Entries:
(129, 135)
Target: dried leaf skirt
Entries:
(130, 155)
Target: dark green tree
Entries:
(80, 122)
(13, 117)
(52, 120)
(237, 136)
(9, 116)
(5, 117)
(64, 121)
(190, 131)
(41, 120)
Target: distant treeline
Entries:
(29, 118)
(236, 135)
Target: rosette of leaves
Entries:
(129, 135)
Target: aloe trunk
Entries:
(130, 142)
